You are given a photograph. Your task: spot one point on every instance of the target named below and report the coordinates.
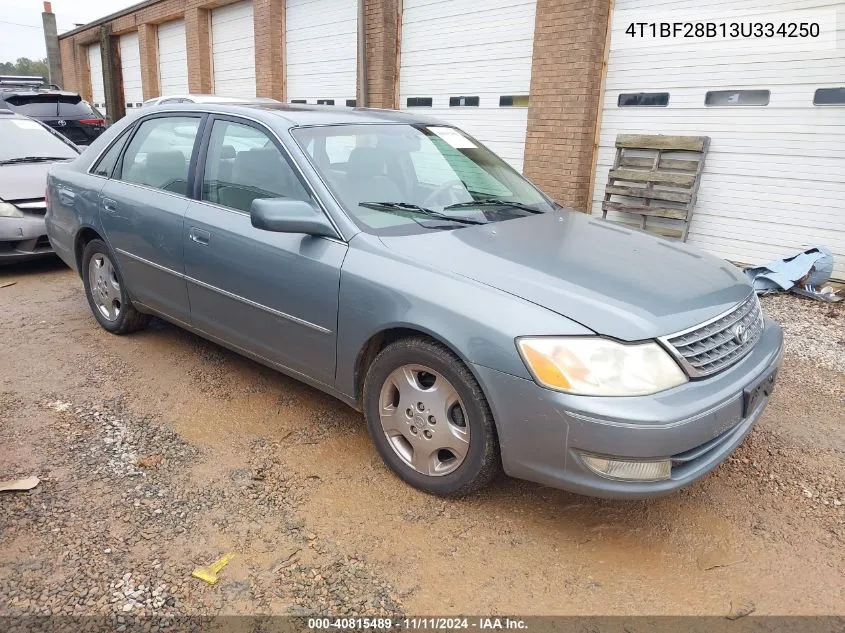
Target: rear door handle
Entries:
(199, 236)
(109, 205)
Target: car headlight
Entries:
(595, 366)
(9, 211)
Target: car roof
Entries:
(308, 115)
(207, 98)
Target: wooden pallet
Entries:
(655, 177)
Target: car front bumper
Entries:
(542, 433)
(23, 238)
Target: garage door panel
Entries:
(467, 48)
(788, 97)
(236, 59)
(321, 50)
(648, 57)
(130, 66)
(717, 127)
(172, 58)
(813, 144)
(233, 50)
(716, 5)
(718, 77)
(95, 68)
(772, 182)
(432, 11)
(320, 17)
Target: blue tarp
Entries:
(784, 274)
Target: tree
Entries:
(25, 66)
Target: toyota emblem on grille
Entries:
(61, 123)
(740, 334)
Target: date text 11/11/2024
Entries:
(418, 623)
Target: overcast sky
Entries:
(21, 34)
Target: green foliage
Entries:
(25, 66)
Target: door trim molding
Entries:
(149, 263)
(260, 306)
(226, 293)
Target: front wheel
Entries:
(429, 418)
(106, 292)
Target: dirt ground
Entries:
(158, 452)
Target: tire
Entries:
(429, 448)
(107, 294)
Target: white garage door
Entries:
(321, 51)
(773, 179)
(470, 52)
(233, 50)
(172, 58)
(95, 68)
(130, 66)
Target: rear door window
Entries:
(160, 152)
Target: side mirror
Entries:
(284, 215)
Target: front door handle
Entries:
(199, 236)
(109, 205)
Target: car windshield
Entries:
(27, 140)
(397, 179)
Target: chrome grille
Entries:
(718, 344)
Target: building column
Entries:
(51, 41)
(269, 17)
(112, 75)
(148, 48)
(566, 76)
(198, 36)
(382, 34)
(68, 79)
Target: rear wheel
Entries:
(429, 419)
(106, 292)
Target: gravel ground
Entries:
(160, 452)
(131, 469)
(815, 331)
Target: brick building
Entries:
(550, 69)
(547, 84)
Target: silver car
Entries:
(27, 150)
(395, 263)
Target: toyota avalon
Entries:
(397, 264)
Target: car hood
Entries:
(618, 282)
(23, 182)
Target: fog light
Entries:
(629, 470)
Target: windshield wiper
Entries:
(415, 208)
(32, 159)
(494, 202)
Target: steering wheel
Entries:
(449, 188)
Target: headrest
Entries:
(366, 162)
